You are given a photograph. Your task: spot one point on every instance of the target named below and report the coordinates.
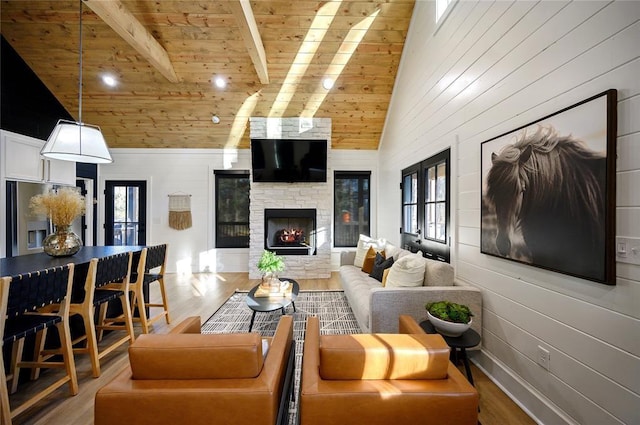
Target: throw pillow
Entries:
(385, 275)
(380, 264)
(369, 259)
(364, 242)
(391, 250)
(407, 271)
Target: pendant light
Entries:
(77, 141)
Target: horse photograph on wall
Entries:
(548, 191)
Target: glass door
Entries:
(125, 213)
(426, 207)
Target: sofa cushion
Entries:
(407, 271)
(364, 242)
(369, 260)
(383, 356)
(196, 356)
(380, 264)
(358, 291)
(438, 273)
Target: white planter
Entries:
(448, 328)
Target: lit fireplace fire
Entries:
(289, 236)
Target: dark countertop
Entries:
(40, 261)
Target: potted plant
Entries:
(448, 318)
(270, 264)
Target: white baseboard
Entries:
(530, 400)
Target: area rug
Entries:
(331, 307)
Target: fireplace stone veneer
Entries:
(318, 196)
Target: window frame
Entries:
(364, 200)
(435, 201)
(440, 19)
(218, 176)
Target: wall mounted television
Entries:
(289, 160)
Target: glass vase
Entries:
(271, 281)
(63, 242)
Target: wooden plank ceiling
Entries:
(358, 43)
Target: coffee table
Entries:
(268, 304)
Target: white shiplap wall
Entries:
(489, 68)
(191, 171)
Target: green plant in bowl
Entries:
(270, 262)
(450, 312)
(449, 319)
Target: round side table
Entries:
(458, 344)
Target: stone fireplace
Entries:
(286, 197)
(290, 231)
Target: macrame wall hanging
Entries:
(179, 211)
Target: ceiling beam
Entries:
(114, 14)
(249, 29)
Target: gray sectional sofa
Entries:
(377, 308)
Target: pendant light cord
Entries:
(80, 71)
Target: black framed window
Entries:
(435, 201)
(351, 207)
(426, 206)
(232, 209)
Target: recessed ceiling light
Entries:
(220, 82)
(327, 83)
(215, 119)
(109, 80)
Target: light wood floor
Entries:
(202, 294)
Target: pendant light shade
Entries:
(72, 141)
(77, 141)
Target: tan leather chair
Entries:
(185, 377)
(383, 379)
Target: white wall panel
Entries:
(596, 386)
(477, 78)
(469, 200)
(469, 182)
(553, 336)
(628, 150)
(627, 219)
(627, 185)
(628, 122)
(552, 389)
(469, 236)
(628, 275)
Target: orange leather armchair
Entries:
(383, 379)
(185, 377)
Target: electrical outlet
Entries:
(544, 358)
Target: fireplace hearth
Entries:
(290, 231)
